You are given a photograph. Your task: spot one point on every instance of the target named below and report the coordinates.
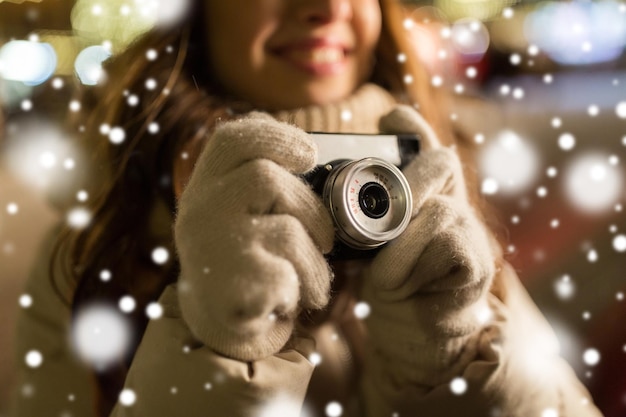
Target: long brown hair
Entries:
(136, 177)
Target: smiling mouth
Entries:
(319, 59)
(319, 55)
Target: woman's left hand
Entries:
(425, 287)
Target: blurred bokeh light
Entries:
(578, 32)
(30, 62)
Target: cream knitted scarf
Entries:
(357, 114)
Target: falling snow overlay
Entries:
(538, 90)
(101, 334)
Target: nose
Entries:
(324, 11)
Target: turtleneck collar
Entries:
(358, 113)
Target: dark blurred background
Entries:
(540, 86)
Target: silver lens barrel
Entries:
(370, 201)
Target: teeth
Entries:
(323, 55)
(319, 55)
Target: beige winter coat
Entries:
(513, 367)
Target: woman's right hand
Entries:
(251, 236)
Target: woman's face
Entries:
(282, 54)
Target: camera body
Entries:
(361, 184)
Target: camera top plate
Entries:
(395, 149)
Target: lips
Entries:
(315, 56)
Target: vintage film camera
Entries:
(359, 179)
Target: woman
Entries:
(250, 303)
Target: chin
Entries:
(317, 97)
(330, 93)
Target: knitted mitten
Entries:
(427, 287)
(250, 237)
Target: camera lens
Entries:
(370, 201)
(374, 200)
